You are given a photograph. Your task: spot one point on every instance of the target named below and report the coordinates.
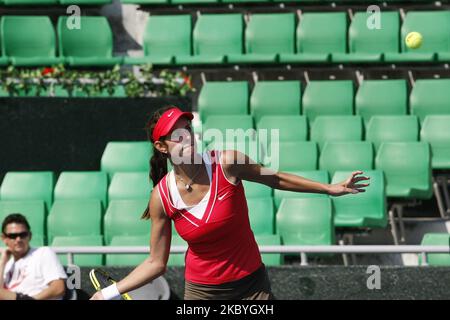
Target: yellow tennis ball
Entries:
(413, 40)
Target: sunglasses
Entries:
(21, 235)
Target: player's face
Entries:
(17, 238)
(181, 141)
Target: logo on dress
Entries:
(222, 196)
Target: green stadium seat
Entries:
(243, 1)
(392, 129)
(407, 169)
(74, 218)
(223, 98)
(275, 98)
(164, 38)
(85, 2)
(346, 156)
(436, 131)
(256, 190)
(28, 186)
(307, 221)
(81, 260)
(434, 26)
(37, 241)
(215, 126)
(316, 175)
(266, 36)
(369, 44)
(318, 35)
(123, 218)
(82, 185)
(193, 1)
(3, 60)
(262, 215)
(365, 209)
(336, 128)
(29, 2)
(293, 156)
(215, 36)
(251, 148)
(430, 97)
(381, 97)
(128, 259)
(269, 259)
(328, 98)
(126, 157)
(130, 186)
(437, 239)
(176, 259)
(91, 45)
(144, 2)
(33, 210)
(29, 41)
(290, 127)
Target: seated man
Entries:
(27, 273)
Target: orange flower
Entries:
(187, 81)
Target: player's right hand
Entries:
(97, 296)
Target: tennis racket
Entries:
(101, 279)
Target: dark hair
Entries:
(15, 218)
(158, 161)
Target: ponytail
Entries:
(158, 166)
(158, 161)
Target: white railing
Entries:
(302, 250)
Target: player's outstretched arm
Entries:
(155, 265)
(239, 165)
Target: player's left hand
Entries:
(349, 186)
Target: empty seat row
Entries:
(319, 37)
(90, 185)
(32, 41)
(328, 97)
(406, 165)
(84, 217)
(219, 38)
(435, 130)
(52, 2)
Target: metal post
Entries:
(401, 223)
(70, 258)
(424, 259)
(303, 259)
(393, 226)
(437, 194)
(445, 185)
(344, 255)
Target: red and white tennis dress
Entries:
(221, 244)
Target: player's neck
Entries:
(187, 171)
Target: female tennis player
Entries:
(204, 196)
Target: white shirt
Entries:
(199, 209)
(31, 274)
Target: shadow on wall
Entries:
(127, 24)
